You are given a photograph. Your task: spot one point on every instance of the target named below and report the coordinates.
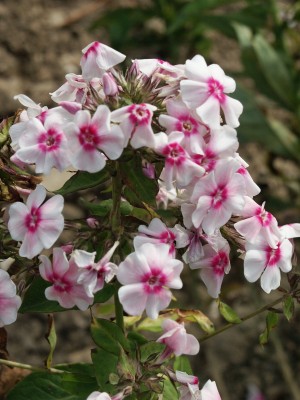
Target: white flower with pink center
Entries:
(157, 232)
(9, 301)
(179, 168)
(222, 144)
(148, 274)
(92, 140)
(135, 121)
(75, 89)
(63, 275)
(36, 224)
(214, 264)
(204, 90)
(217, 196)
(94, 274)
(98, 58)
(181, 119)
(44, 145)
(177, 341)
(265, 262)
(258, 221)
(151, 66)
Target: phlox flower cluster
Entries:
(181, 120)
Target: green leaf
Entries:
(108, 336)
(140, 189)
(45, 386)
(150, 350)
(228, 313)
(100, 209)
(254, 126)
(271, 323)
(136, 337)
(105, 363)
(35, 300)
(275, 71)
(51, 339)
(83, 180)
(169, 390)
(288, 307)
(104, 294)
(4, 130)
(182, 363)
(287, 138)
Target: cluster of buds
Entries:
(181, 121)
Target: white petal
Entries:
(270, 279)
(133, 298)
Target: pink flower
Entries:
(9, 301)
(147, 275)
(98, 58)
(210, 391)
(157, 232)
(92, 139)
(214, 264)
(217, 196)
(177, 341)
(37, 225)
(135, 121)
(181, 119)
(63, 275)
(45, 145)
(258, 220)
(179, 168)
(204, 90)
(189, 388)
(110, 87)
(265, 262)
(92, 274)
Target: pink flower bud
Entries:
(92, 223)
(149, 170)
(67, 248)
(110, 87)
(71, 106)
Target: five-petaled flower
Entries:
(35, 224)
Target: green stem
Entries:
(116, 228)
(118, 309)
(249, 316)
(15, 364)
(115, 215)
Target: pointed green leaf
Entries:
(182, 363)
(288, 307)
(83, 180)
(169, 390)
(105, 363)
(108, 336)
(228, 313)
(150, 350)
(46, 386)
(51, 339)
(271, 323)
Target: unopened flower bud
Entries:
(92, 223)
(110, 87)
(149, 170)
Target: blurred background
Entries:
(256, 42)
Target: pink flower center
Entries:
(218, 197)
(89, 137)
(263, 216)
(62, 286)
(139, 114)
(216, 89)
(50, 140)
(154, 281)
(188, 125)
(273, 256)
(92, 49)
(33, 219)
(207, 161)
(220, 262)
(174, 153)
